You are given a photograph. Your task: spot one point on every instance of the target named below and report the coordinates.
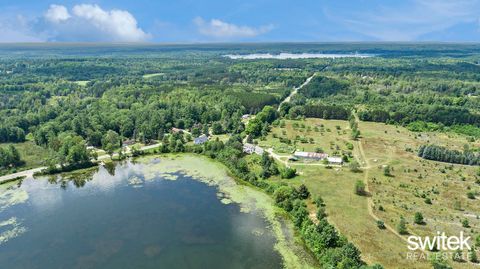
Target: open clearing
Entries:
(402, 194)
(33, 155)
(152, 75)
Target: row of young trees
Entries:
(326, 112)
(443, 154)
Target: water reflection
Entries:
(102, 219)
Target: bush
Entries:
(303, 192)
(359, 188)
(321, 213)
(387, 171)
(418, 218)
(402, 226)
(354, 166)
(473, 255)
(288, 172)
(380, 224)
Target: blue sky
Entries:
(238, 20)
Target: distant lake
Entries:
(130, 215)
(295, 56)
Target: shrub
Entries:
(380, 224)
(288, 172)
(418, 218)
(354, 166)
(402, 226)
(359, 187)
(303, 192)
(387, 171)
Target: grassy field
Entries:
(402, 194)
(329, 136)
(415, 180)
(33, 155)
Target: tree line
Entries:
(443, 154)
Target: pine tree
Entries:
(402, 226)
(418, 218)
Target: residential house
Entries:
(200, 140)
(251, 148)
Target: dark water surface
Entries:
(123, 221)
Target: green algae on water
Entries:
(12, 196)
(248, 198)
(14, 229)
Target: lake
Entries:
(283, 56)
(181, 212)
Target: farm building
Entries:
(200, 140)
(251, 148)
(335, 160)
(310, 155)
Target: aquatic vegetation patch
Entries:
(229, 191)
(135, 181)
(12, 196)
(15, 229)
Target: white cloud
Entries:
(219, 29)
(407, 21)
(120, 25)
(57, 13)
(83, 23)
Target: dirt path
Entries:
(295, 91)
(363, 160)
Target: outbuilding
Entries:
(200, 140)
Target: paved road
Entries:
(26, 173)
(29, 173)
